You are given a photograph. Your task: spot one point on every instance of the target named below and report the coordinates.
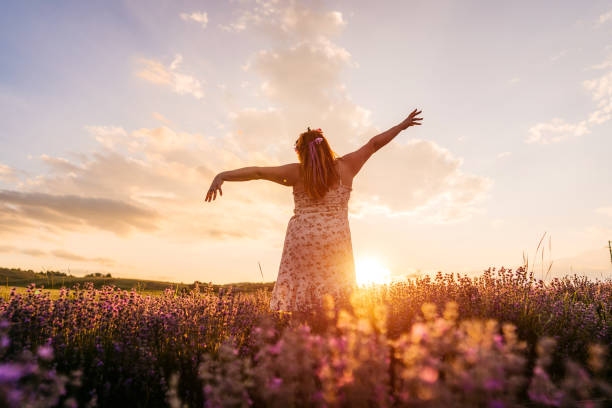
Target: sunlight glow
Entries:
(369, 271)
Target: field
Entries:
(19, 278)
(503, 339)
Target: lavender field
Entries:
(504, 339)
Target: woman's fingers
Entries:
(209, 195)
(413, 115)
(413, 119)
(212, 193)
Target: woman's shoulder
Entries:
(343, 171)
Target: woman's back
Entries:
(317, 254)
(334, 201)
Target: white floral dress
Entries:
(318, 253)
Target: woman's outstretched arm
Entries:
(356, 159)
(286, 175)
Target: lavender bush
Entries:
(504, 339)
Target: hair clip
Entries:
(317, 140)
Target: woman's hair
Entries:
(316, 162)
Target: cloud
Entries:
(602, 65)
(287, 20)
(105, 134)
(71, 212)
(604, 18)
(258, 128)
(418, 178)
(152, 179)
(183, 84)
(601, 90)
(319, 62)
(158, 116)
(33, 252)
(7, 173)
(60, 253)
(557, 129)
(26, 251)
(197, 16)
(503, 154)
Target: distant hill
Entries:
(54, 280)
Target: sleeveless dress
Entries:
(317, 254)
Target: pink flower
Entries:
(277, 348)
(429, 375)
(419, 331)
(275, 383)
(45, 352)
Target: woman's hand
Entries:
(214, 186)
(411, 120)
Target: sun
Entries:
(370, 271)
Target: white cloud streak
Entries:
(181, 83)
(199, 17)
(557, 129)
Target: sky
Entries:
(116, 115)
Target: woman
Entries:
(317, 255)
